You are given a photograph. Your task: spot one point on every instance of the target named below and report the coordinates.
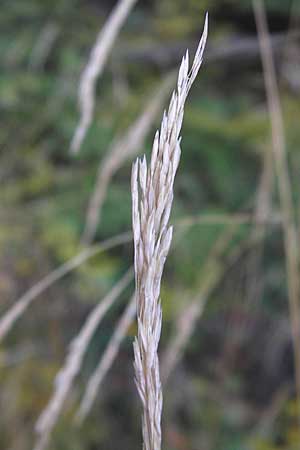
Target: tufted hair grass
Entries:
(152, 197)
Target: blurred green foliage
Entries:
(231, 370)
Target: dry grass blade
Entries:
(98, 58)
(214, 270)
(284, 183)
(106, 361)
(268, 420)
(122, 149)
(66, 375)
(254, 279)
(152, 196)
(21, 305)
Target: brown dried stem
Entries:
(284, 182)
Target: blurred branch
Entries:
(205, 218)
(73, 362)
(185, 325)
(284, 183)
(123, 148)
(263, 210)
(268, 417)
(94, 68)
(18, 356)
(20, 306)
(166, 54)
(290, 68)
(43, 45)
(213, 270)
(106, 361)
(254, 276)
(229, 219)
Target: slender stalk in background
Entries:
(21, 305)
(284, 183)
(254, 285)
(94, 68)
(43, 45)
(122, 148)
(67, 374)
(262, 212)
(213, 272)
(267, 423)
(152, 196)
(106, 360)
(185, 326)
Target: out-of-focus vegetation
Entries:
(234, 387)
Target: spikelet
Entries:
(152, 196)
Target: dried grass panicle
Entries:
(152, 196)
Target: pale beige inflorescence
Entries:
(152, 196)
